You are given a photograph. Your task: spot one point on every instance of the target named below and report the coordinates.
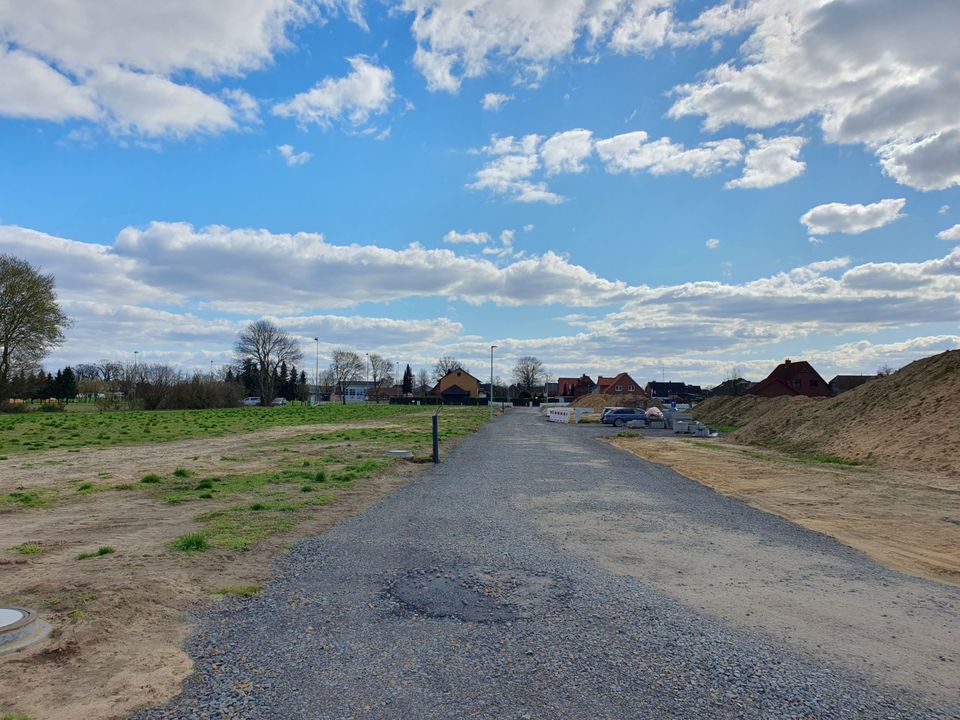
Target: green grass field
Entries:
(41, 431)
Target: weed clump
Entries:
(182, 473)
(99, 552)
(150, 479)
(238, 590)
(191, 542)
(30, 549)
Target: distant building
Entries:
(358, 391)
(572, 388)
(674, 391)
(621, 384)
(842, 383)
(792, 378)
(734, 387)
(457, 385)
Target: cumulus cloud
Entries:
(494, 101)
(944, 209)
(565, 152)
(124, 73)
(468, 238)
(635, 151)
(514, 162)
(712, 244)
(852, 219)
(367, 90)
(770, 162)
(293, 158)
(952, 233)
(881, 73)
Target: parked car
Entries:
(619, 417)
(279, 401)
(608, 409)
(248, 401)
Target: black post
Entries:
(436, 438)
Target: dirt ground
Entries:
(909, 521)
(119, 620)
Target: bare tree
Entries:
(884, 370)
(345, 367)
(31, 321)
(267, 345)
(381, 371)
(423, 382)
(446, 364)
(528, 373)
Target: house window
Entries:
(814, 383)
(631, 388)
(619, 388)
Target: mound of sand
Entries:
(910, 419)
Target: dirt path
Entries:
(906, 520)
(119, 620)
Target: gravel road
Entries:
(460, 596)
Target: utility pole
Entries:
(316, 374)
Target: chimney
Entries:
(787, 361)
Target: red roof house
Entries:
(575, 387)
(792, 378)
(621, 384)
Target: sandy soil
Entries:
(119, 620)
(909, 521)
(903, 632)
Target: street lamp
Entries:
(490, 401)
(316, 374)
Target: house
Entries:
(792, 378)
(572, 388)
(734, 387)
(358, 391)
(457, 385)
(674, 391)
(842, 383)
(621, 384)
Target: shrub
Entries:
(182, 473)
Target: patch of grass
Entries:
(238, 590)
(191, 542)
(21, 499)
(206, 484)
(183, 473)
(76, 614)
(86, 487)
(30, 549)
(242, 530)
(150, 479)
(725, 429)
(14, 716)
(832, 460)
(99, 552)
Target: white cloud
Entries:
(528, 228)
(634, 151)
(293, 158)
(565, 152)
(771, 162)
(113, 61)
(244, 105)
(514, 161)
(468, 238)
(814, 240)
(884, 76)
(712, 244)
(944, 209)
(367, 90)
(852, 219)
(494, 101)
(952, 233)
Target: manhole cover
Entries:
(477, 595)
(20, 627)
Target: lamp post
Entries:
(491, 381)
(316, 374)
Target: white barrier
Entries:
(563, 415)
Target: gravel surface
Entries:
(445, 601)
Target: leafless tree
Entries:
(31, 321)
(381, 371)
(423, 382)
(884, 370)
(528, 373)
(445, 365)
(346, 367)
(267, 345)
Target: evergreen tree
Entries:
(68, 384)
(408, 381)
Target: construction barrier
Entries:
(563, 415)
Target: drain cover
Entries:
(19, 628)
(478, 595)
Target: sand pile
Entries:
(910, 419)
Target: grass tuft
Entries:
(238, 590)
(191, 542)
(30, 549)
(99, 552)
(150, 479)
(182, 473)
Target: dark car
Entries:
(619, 417)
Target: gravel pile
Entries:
(443, 602)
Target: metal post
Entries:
(316, 374)
(436, 438)
(490, 401)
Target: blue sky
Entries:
(659, 186)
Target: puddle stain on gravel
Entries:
(482, 596)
